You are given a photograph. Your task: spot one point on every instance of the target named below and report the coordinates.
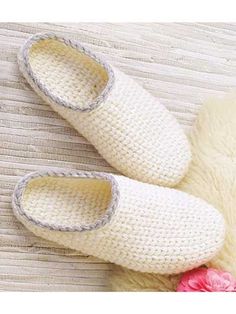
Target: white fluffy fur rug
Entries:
(212, 176)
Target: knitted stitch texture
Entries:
(137, 225)
(129, 127)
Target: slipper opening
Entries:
(68, 203)
(69, 75)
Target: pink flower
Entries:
(207, 280)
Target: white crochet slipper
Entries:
(137, 225)
(130, 128)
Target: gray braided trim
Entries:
(25, 67)
(21, 185)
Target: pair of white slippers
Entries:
(144, 225)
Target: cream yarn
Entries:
(212, 177)
(129, 127)
(137, 225)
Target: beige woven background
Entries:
(181, 64)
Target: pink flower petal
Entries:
(207, 280)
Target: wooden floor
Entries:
(181, 64)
